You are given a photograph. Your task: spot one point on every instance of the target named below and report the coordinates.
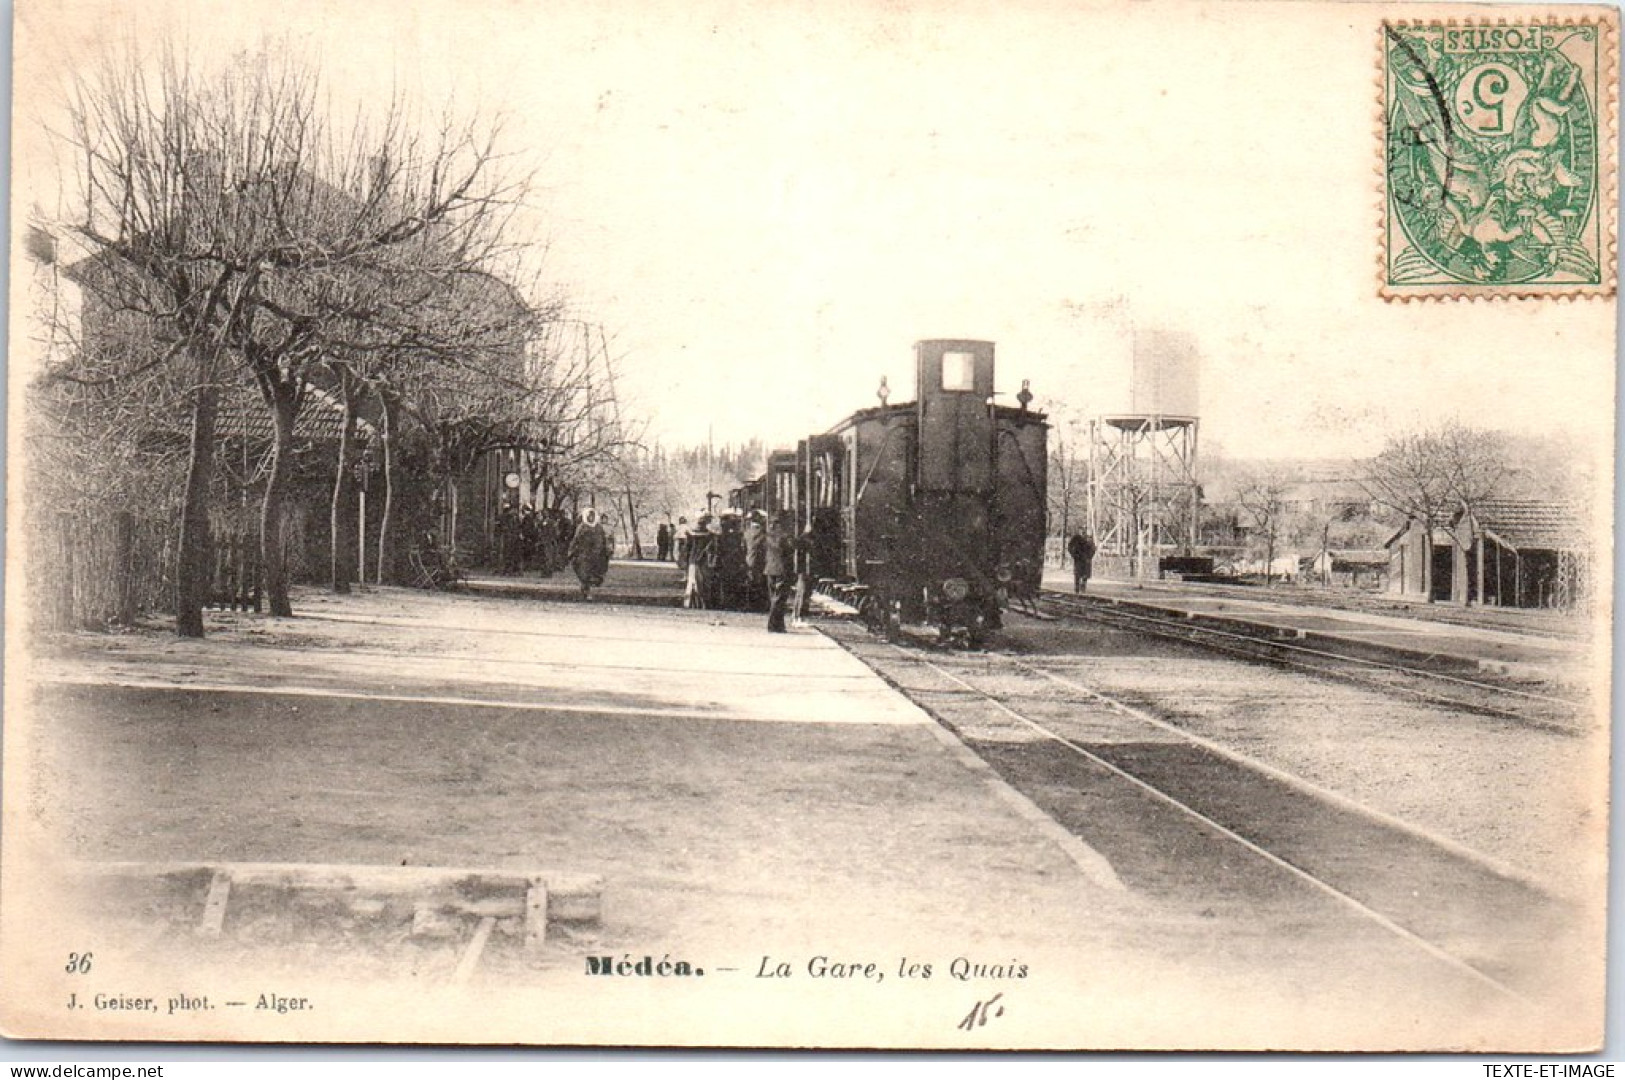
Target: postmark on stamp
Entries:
(1498, 163)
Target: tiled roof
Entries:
(1531, 524)
(320, 419)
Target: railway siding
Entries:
(1432, 646)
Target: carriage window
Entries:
(958, 371)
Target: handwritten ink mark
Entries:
(981, 1012)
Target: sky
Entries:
(766, 204)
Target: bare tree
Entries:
(238, 214)
(453, 336)
(577, 436)
(1476, 463)
(1426, 476)
(466, 378)
(1068, 478)
(1262, 497)
(105, 455)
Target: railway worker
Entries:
(529, 536)
(805, 545)
(756, 593)
(550, 541)
(702, 552)
(567, 531)
(732, 573)
(589, 552)
(680, 544)
(778, 567)
(1082, 549)
(507, 537)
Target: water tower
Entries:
(1143, 495)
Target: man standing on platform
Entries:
(778, 564)
(756, 592)
(1082, 549)
(702, 563)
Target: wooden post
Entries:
(361, 538)
(214, 908)
(471, 955)
(1478, 552)
(535, 919)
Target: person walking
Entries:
(779, 565)
(589, 553)
(1082, 549)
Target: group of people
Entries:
(548, 540)
(749, 562)
(530, 539)
(738, 562)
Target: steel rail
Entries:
(1178, 630)
(1360, 908)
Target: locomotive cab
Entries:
(927, 512)
(947, 561)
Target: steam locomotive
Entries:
(926, 513)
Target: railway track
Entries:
(1482, 696)
(1214, 827)
(1554, 626)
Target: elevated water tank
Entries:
(1166, 374)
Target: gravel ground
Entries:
(742, 795)
(1531, 798)
(1357, 748)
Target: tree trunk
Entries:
(192, 553)
(67, 611)
(272, 557)
(451, 532)
(632, 522)
(340, 523)
(385, 519)
(1427, 561)
(124, 567)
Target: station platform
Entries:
(741, 795)
(765, 807)
(1388, 638)
(1530, 653)
(644, 582)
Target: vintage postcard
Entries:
(924, 524)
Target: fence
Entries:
(97, 570)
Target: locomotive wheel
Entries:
(873, 614)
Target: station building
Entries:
(1528, 553)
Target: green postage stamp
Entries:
(1498, 156)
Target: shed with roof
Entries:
(1501, 552)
